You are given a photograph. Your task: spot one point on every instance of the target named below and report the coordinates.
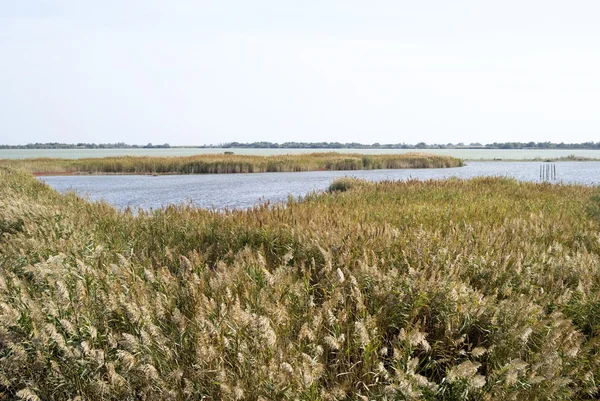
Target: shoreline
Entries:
(465, 154)
(541, 160)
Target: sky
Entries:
(209, 72)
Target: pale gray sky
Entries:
(200, 72)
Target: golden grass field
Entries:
(484, 289)
(214, 164)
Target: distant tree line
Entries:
(57, 145)
(544, 145)
(420, 145)
(318, 145)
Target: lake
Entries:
(466, 154)
(246, 190)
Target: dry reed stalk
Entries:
(477, 289)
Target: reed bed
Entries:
(215, 164)
(440, 290)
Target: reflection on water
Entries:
(245, 190)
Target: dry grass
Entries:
(439, 290)
(212, 164)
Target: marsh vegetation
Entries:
(231, 163)
(442, 290)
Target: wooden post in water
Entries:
(548, 172)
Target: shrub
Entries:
(343, 184)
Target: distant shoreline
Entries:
(319, 145)
(542, 160)
(545, 155)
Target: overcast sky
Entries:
(201, 72)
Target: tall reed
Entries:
(437, 290)
(214, 164)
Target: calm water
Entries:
(245, 190)
(467, 154)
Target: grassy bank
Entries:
(211, 164)
(570, 158)
(440, 290)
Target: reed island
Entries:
(231, 163)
